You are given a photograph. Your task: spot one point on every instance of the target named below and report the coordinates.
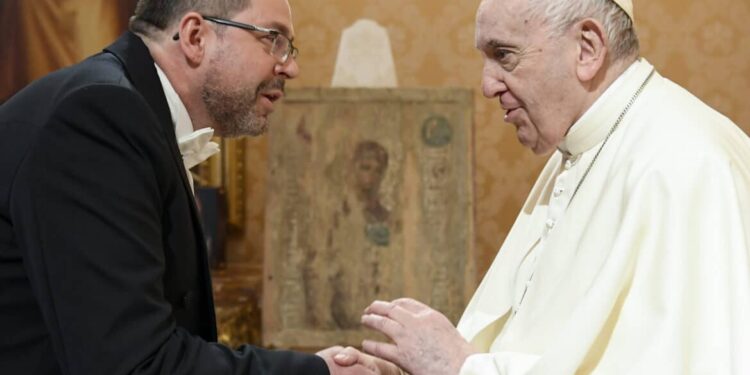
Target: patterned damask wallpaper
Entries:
(701, 44)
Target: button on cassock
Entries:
(550, 224)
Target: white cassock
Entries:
(646, 271)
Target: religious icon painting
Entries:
(370, 197)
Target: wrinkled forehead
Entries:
(505, 21)
(274, 14)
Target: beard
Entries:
(234, 111)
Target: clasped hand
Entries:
(424, 341)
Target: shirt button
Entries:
(557, 191)
(550, 224)
(568, 164)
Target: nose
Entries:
(290, 68)
(493, 83)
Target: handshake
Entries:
(423, 341)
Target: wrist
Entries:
(467, 351)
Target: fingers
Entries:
(348, 361)
(411, 305)
(328, 352)
(379, 307)
(389, 309)
(348, 357)
(389, 352)
(420, 312)
(382, 324)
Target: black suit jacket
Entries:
(102, 260)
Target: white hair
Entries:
(561, 14)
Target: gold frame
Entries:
(226, 171)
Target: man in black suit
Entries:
(102, 261)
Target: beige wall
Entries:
(44, 35)
(700, 44)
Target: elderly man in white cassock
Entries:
(630, 254)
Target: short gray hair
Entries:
(561, 14)
(157, 15)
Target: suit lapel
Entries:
(139, 66)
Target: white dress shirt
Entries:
(195, 146)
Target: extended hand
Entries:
(424, 340)
(351, 356)
(349, 368)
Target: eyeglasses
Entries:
(281, 46)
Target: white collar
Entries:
(593, 126)
(180, 117)
(195, 146)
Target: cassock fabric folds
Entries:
(645, 270)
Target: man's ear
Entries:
(193, 34)
(593, 48)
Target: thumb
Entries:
(347, 357)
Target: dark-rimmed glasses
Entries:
(281, 46)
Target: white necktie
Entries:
(195, 148)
